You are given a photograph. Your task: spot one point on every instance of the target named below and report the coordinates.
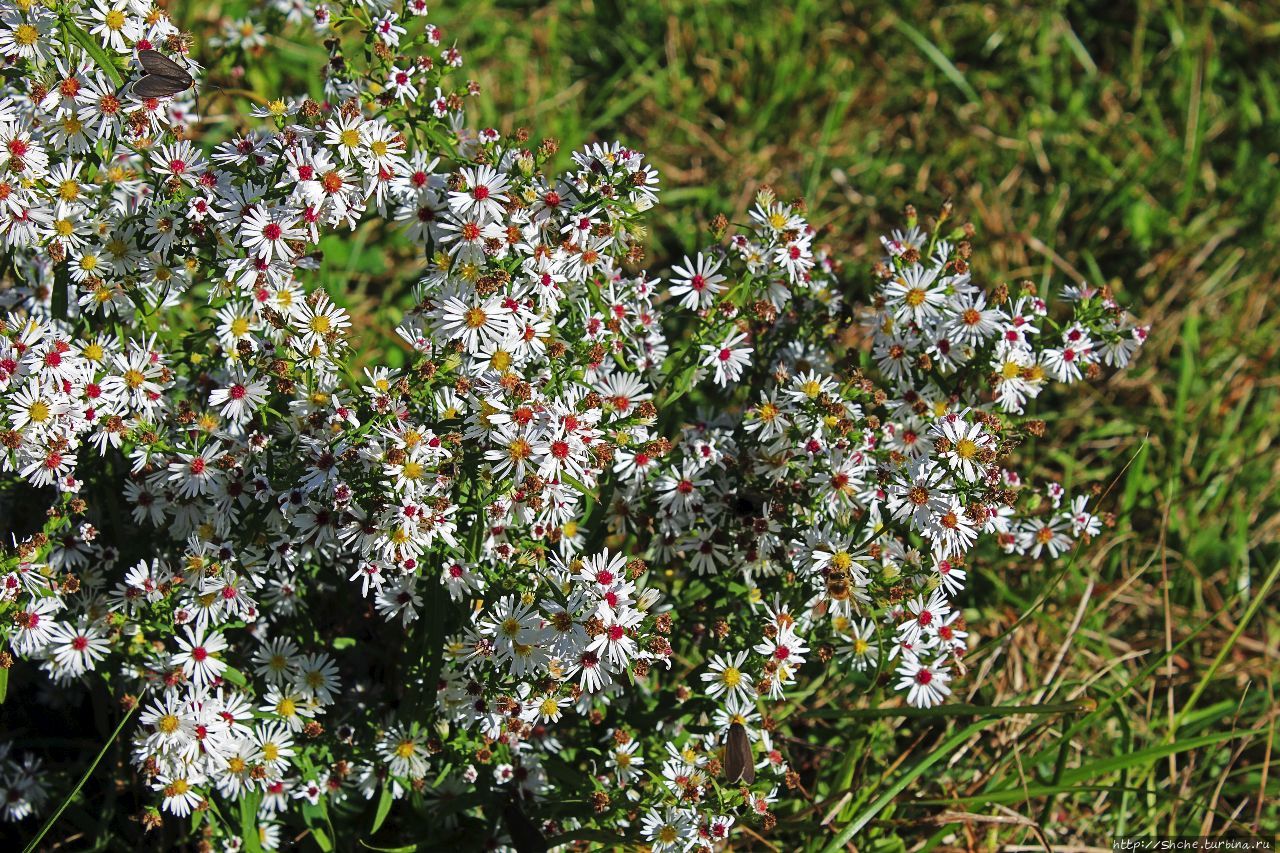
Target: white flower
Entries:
(728, 359)
(926, 684)
(697, 283)
(197, 657)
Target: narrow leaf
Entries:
(384, 808)
(91, 47)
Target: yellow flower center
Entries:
(114, 20)
(286, 707)
(38, 412)
(731, 677)
(26, 35)
(270, 751)
(405, 749)
(168, 724)
(966, 448)
(320, 324)
(134, 379)
(350, 137)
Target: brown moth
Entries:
(739, 761)
(164, 77)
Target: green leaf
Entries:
(235, 676)
(249, 822)
(4, 685)
(91, 47)
(384, 808)
(410, 848)
(61, 281)
(310, 815)
(576, 483)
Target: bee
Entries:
(739, 761)
(838, 583)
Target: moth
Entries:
(163, 77)
(739, 761)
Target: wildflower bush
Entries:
(516, 586)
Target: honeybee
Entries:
(838, 583)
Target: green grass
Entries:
(1130, 144)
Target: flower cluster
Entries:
(586, 519)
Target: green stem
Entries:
(53, 818)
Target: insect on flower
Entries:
(163, 77)
(739, 762)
